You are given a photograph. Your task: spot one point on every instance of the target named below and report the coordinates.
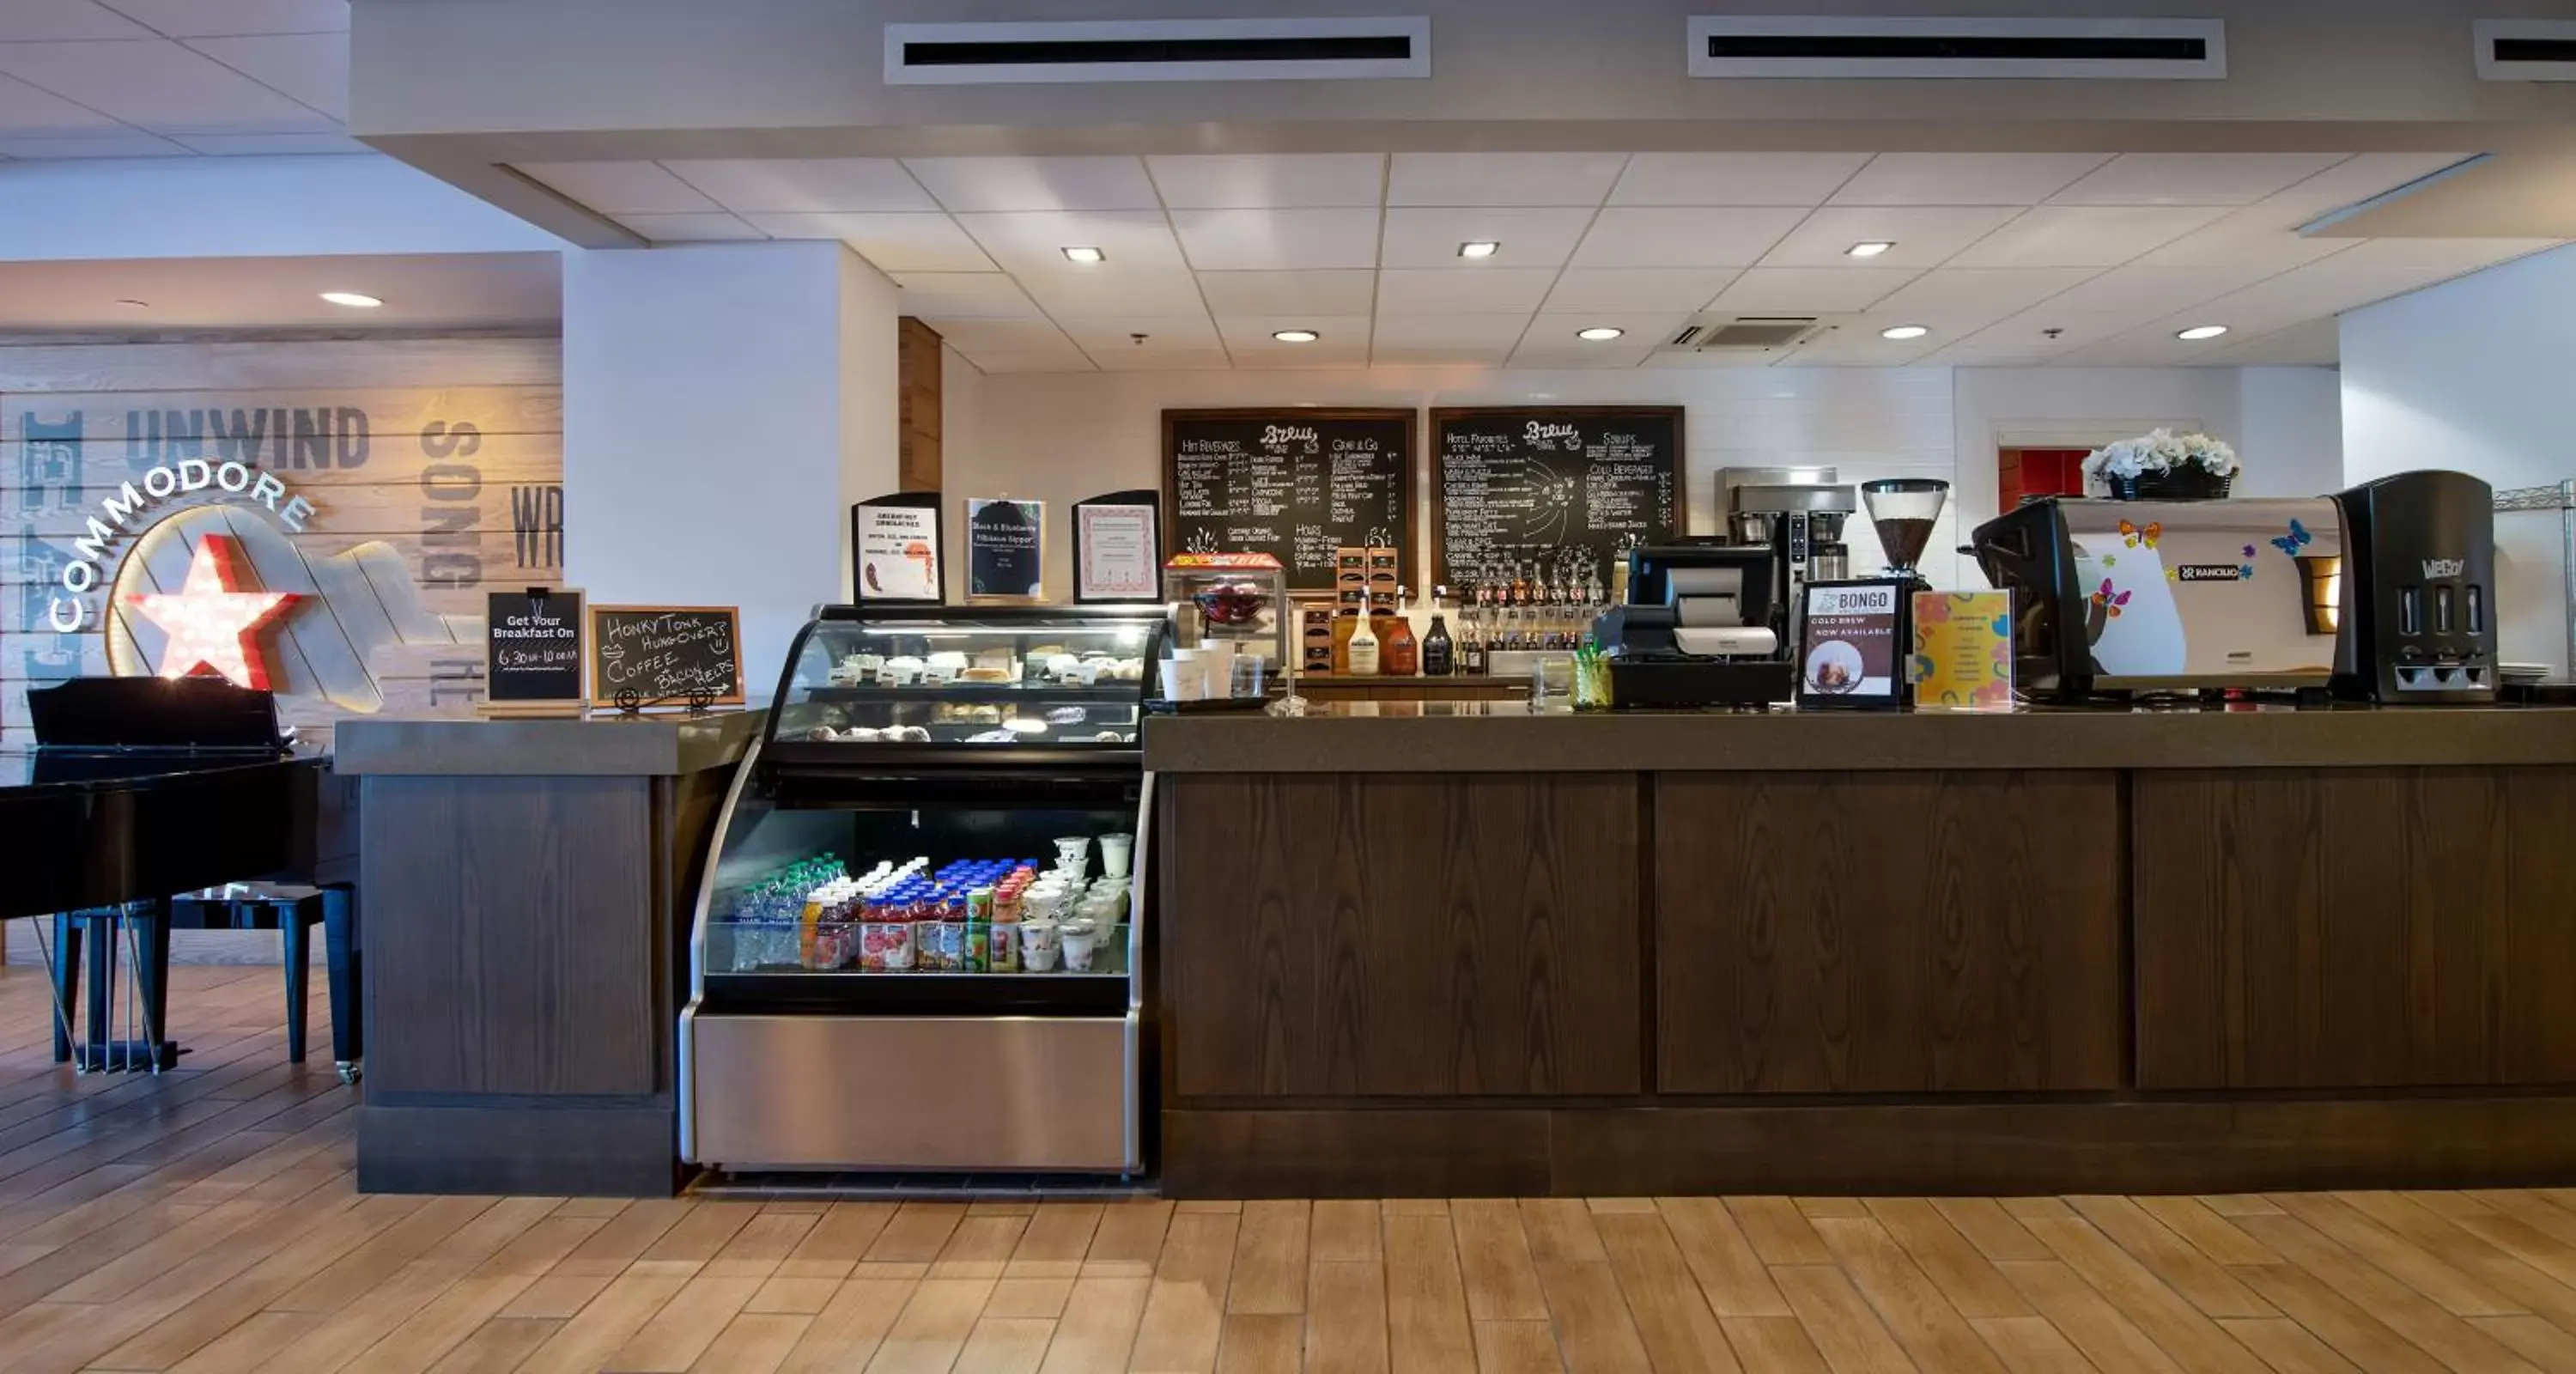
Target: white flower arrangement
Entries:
(2158, 451)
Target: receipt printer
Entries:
(1698, 629)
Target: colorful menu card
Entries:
(1963, 651)
(1005, 550)
(1851, 644)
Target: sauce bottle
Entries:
(1399, 653)
(1363, 648)
(1346, 623)
(1439, 654)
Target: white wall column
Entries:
(2471, 375)
(723, 406)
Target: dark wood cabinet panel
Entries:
(1354, 935)
(1888, 932)
(511, 936)
(2356, 927)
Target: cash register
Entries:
(1701, 628)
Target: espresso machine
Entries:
(1796, 513)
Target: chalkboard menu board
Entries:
(1294, 484)
(532, 647)
(665, 655)
(1567, 487)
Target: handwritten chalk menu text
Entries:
(1294, 484)
(533, 646)
(665, 655)
(1568, 488)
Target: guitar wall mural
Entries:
(324, 517)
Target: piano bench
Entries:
(293, 912)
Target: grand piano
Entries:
(139, 789)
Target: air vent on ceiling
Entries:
(1726, 332)
(1158, 50)
(1868, 46)
(2525, 49)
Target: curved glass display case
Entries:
(916, 944)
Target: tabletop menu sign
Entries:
(1296, 484)
(1520, 484)
(1005, 550)
(895, 542)
(1852, 644)
(532, 652)
(1963, 651)
(665, 656)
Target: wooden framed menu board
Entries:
(1295, 484)
(665, 656)
(1518, 484)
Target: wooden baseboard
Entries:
(2155, 1146)
(519, 1148)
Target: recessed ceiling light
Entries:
(1085, 253)
(355, 300)
(1483, 248)
(129, 300)
(1295, 335)
(1599, 333)
(1902, 332)
(2199, 332)
(1870, 249)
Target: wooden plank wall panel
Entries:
(1888, 932)
(530, 966)
(435, 466)
(918, 360)
(2350, 927)
(1351, 935)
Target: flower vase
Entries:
(2173, 484)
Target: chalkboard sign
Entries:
(532, 649)
(1005, 550)
(1570, 488)
(665, 656)
(1294, 484)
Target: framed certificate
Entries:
(1117, 547)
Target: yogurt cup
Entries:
(1081, 944)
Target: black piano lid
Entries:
(194, 713)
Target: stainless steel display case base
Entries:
(949, 1093)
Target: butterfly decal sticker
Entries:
(2297, 539)
(2249, 551)
(2245, 572)
(2110, 560)
(2136, 537)
(2110, 601)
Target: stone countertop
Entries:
(1507, 737)
(604, 744)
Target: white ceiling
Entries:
(444, 291)
(165, 78)
(1206, 255)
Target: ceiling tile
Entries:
(1554, 331)
(2084, 236)
(1986, 293)
(2193, 178)
(1810, 290)
(1462, 290)
(1152, 359)
(273, 145)
(998, 362)
(2022, 340)
(1578, 355)
(622, 188)
(1269, 240)
(892, 242)
(1530, 237)
(1447, 331)
(1580, 179)
(2317, 343)
(1924, 235)
(1965, 178)
(808, 185)
(1686, 289)
(2243, 239)
(222, 18)
(1249, 335)
(37, 21)
(1004, 336)
(160, 86)
(2447, 255)
(124, 143)
(964, 296)
(1330, 291)
(1270, 180)
(311, 68)
(1074, 291)
(1734, 178)
(1101, 337)
(26, 110)
(1449, 355)
(713, 226)
(2151, 291)
(2346, 183)
(1034, 241)
(1643, 236)
(1036, 183)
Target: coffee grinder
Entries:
(1904, 510)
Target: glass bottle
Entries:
(1439, 655)
(1346, 623)
(1363, 648)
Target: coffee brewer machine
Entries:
(2417, 589)
(1796, 513)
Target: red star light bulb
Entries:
(211, 621)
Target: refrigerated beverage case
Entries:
(1438, 654)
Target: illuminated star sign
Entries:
(211, 621)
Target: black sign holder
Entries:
(1900, 649)
(1144, 498)
(991, 561)
(557, 691)
(910, 500)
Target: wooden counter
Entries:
(1837, 954)
(528, 887)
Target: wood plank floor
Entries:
(205, 1223)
